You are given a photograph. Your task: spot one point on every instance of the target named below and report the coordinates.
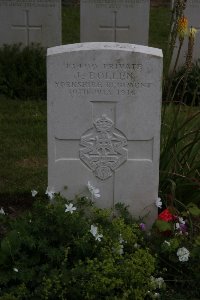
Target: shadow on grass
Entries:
(16, 203)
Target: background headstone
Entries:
(115, 21)
(30, 21)
(104, 102)
(192, 12)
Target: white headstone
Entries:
(124, 21)
(192, 12)
(104, 102)
(30, 21)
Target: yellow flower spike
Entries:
(182, 28)
(192, 32)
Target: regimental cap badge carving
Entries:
(103, 148)
(103, 124)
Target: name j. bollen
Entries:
(105, 75)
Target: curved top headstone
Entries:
(103, 46)
(104, 102)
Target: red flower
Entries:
(166, 216)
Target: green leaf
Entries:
(3, 258)
(11, 243)
(162, 225)
(197, 241)
(5, 245)
(194, 210)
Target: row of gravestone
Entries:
(39, 21)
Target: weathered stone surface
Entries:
(30, 21)
(125, 21)
(104, 123)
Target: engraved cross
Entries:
(115, 27)
(103, 146)
(103, 149)
(27, 27)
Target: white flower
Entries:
(177, 226)
(121, 240)
(136, 245)
(15, 270)
(121, 249)
(70, 208)
(159, 202)
(50, 193)
(157, 282)
(156, 295)
(34, 193)
(2, 212)
(167, 243)
(160, 282)
(98, 237)
(183, 254)
(94, 232)
(94, 191)
(148, 292)
(181, 221)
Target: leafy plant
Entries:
(23, 72)
(192, 92)
(76, 251)
(176, 240)
(180, 159)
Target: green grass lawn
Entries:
(23, 147)
(159, 27)
(70, 25)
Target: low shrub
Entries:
(74, 251)
(23, 72)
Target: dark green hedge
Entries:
(23, 72)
